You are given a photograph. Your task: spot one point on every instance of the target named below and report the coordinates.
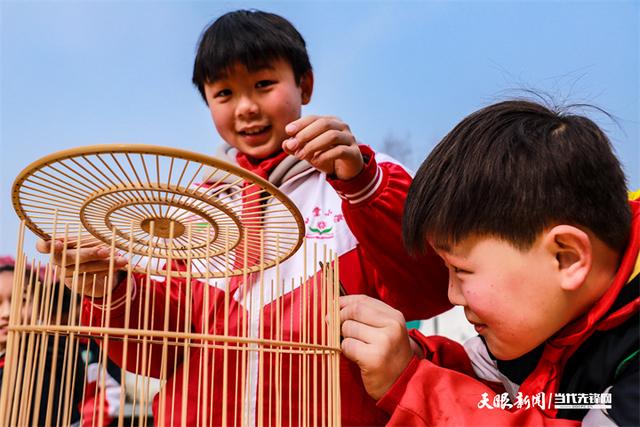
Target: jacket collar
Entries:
(279, 168)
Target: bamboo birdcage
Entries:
(252, 347)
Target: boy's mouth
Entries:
(477, 325)
(253, 131)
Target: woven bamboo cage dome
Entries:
(201, 307)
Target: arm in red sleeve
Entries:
(442, 390)
(150, 298)
(373, 203)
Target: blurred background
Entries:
(400, 73)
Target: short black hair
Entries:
(250, 37)
(512, 169)
(11, 268)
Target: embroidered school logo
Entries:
(321, 224)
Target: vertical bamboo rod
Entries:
(4, 393)
(261, 335)
(146, 356)
(205, 311)
(225, 357)
(165, 342)
(270, 355)
(18, 291)
(107, 323)
(278, 358)
(175, 346)
(187, 328)
(127, 315)
(71, 372)
(302, 376)
(244, 333)
(336, 354)
(56, 336)
(30, 374)
(314, 324)
(86, 366)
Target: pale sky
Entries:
(77, 73)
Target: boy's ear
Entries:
(306, 86)
(573, 252)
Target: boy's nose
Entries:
(5, 309)
(247, 107)
(454, 293)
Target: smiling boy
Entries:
(528, 208)
(253, 72)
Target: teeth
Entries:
(254, 131)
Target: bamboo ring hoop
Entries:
(159, 203)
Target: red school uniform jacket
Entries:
(359, 220)
(594, 355)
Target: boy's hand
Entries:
(327, 143)
(93, 260)
(376, 338)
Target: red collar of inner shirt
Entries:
(261, 167)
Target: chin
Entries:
(261, 152)
(504, 352)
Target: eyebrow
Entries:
(266, 66)
(225, 74)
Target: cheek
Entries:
(221, 119)
(492, 304)
(481, 302)
(287, 105)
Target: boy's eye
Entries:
(264, 83)
(222, 93)
(459, 270)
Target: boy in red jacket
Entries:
(528, 208)
(253, 72)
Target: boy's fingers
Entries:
(311, 128)
(318, 127)
(290, 146)
(88, 252)
(364, 313)
(44, 246)
(368, 310)
(366, 356)
(354, 349)
(350, 299)
(295, 126)
(85, 255)
(357, 299)
(360, 331)
(325, 141)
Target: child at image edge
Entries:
(528, 207)
(254, 74)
